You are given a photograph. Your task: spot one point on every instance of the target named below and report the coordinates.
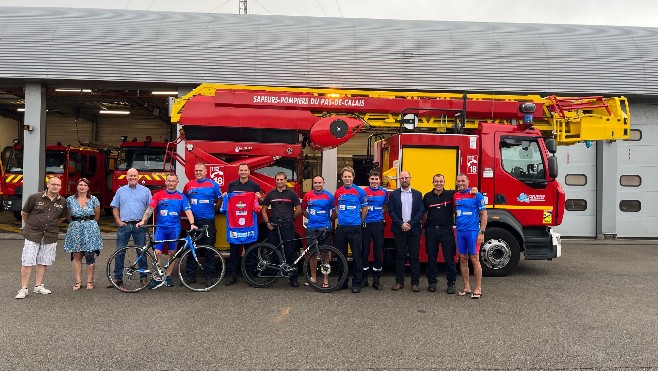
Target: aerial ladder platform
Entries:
(566, 119)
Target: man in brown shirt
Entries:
(42, 213)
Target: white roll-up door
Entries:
(577, 173)
(637, 176)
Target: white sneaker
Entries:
(22, 293)
(41, 290)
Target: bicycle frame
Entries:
(189, 244)
(315, 243)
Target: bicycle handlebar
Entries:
(195, 238)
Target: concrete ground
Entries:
(595, 307)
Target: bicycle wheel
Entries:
(261, 265)
(204, 272)
(131, 269)
(327, 266)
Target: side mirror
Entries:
(552, 167)
(551, 145)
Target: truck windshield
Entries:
(143, 159)
(521, 157)
(55, 161)
(285, 165)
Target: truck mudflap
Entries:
(542, 244)
(557, 243)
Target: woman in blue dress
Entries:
(83, 238)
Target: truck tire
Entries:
(500, 252)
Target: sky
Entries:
(642, 13)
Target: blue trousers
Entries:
(123, 237)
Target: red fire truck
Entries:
(505, 143)
(66, 162)
(147, 157)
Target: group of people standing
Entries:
(360, 221)
(359, 215)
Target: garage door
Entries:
(67, 130)
(577, 173)
(112, 129)
(637, 204)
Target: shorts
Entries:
(166, 233)
(38, 253)
(467, 242)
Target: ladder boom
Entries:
(568, 119)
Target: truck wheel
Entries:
(499, 253)
(17, 215)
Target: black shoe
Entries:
(343, 286)
(376, 285)
(364, 283)
(431, 287)
(294, 283)
(356, 289)
(231, 280)
(451, 288)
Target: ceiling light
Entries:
(164, 93)
(73, 90)
(20, 109)
(113, 112)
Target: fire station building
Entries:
(94, 75)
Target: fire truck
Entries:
(147, 157)
(69, 163)
(505, 143)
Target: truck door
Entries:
(521, 185)
(423, 163)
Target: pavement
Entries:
(595, 307)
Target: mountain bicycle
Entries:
(200, 267)
(325, 267)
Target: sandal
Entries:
(312, 281)
(325, 285)
(463, 293)
(77, 286)
(90, 285)
(476, 296)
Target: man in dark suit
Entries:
(406, 209)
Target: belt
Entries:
(81, 218)
(281, 220)
(131, 221)
(438, 226)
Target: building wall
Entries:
(8, 132)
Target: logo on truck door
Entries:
(217, 175)
(472, 164)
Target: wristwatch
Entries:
(481, 231)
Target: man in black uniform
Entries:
(438, 221)
(243, 184)
(285, 208)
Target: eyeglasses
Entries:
(405, 177)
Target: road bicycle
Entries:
(325, 267)
(200, 268)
